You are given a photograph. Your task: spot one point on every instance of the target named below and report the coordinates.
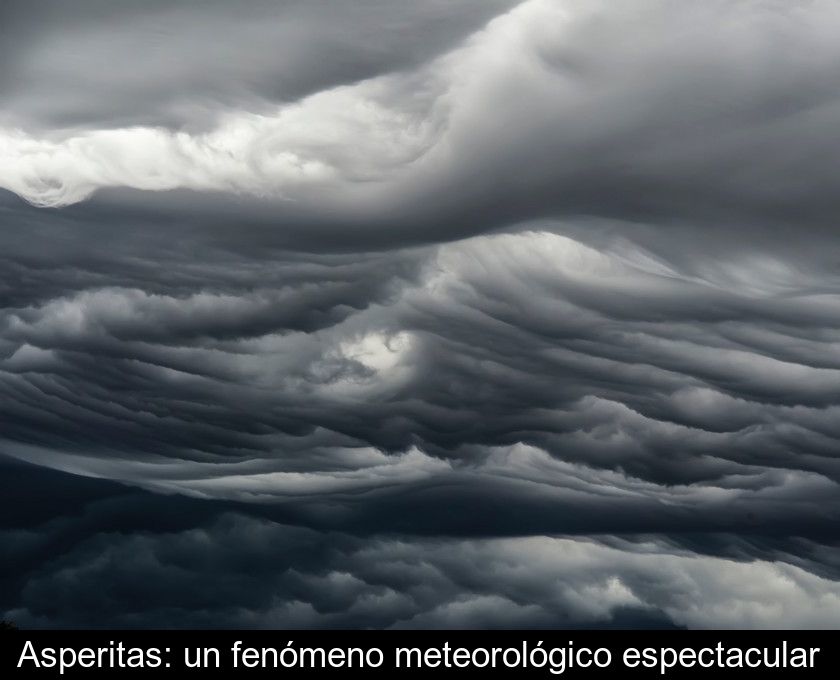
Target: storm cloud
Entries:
(407, 288)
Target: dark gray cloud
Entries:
(552, 288)
(99, 63)
(120, 558)
(720, 115)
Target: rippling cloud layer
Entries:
(545, 288)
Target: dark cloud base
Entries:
(100, 555)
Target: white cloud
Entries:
(338, 135)
(583, 83)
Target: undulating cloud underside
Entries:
(420, 314)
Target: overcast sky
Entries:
(480, 313)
